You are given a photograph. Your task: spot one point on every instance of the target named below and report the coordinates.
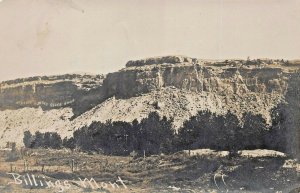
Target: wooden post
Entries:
(106, 165)
(43, 166)
(11, 167)
(25, 165)
(72, 165)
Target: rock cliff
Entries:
(52, 92)
(175, 86)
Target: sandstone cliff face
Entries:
(194, 77)
(238, 86)
(51, 92)
(144, 76)
(174, 86)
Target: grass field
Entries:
(179, 172)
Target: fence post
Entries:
(24, 165)
(72, 165)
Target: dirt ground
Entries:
(44, 170)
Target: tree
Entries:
(27, 139)
(135, 135)
(276, 136)
(47, 140)
(39, 140)
(254, 129)
(168, 135)
(205, 130)
(69, 143)
(56, 141)
(156, 134)
(231, 133)
(83, 138)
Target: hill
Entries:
(174, 86)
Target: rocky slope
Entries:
(174, 86)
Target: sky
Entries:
(48, 37)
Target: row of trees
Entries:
(154, 134)
(46, 140)
(226, 132)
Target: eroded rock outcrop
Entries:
(70, 90)
(161, 60)
(141, 78)
(175, 86)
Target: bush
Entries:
(13, 155)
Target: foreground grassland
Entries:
(65, 171)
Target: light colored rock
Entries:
(261, 153)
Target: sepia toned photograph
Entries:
(150, 96)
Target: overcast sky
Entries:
(45, 37)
